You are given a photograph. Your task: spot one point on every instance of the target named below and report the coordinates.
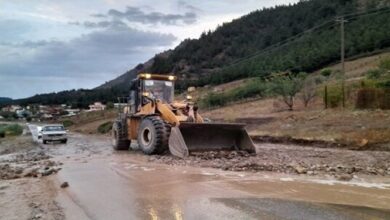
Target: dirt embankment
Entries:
(352, 129)
(339, 163)
(88, 122)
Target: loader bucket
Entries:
(195, 137)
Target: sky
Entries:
(54, 45)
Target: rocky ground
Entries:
(341, 164)
(27, 159)
(26, 191)
(28, 188)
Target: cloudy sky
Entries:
(53, 45)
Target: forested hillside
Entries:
(300, 37)
(4, 100)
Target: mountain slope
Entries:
(206, 59)
(4, 100)
(123, 81)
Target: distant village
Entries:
(35, 112)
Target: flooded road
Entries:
(104, 184)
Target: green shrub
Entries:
(368, 83)
(110, 105)
(9, 115)
(105, 127)
(251, 89)
(385, 63)
(215, 99)
(374, 73)
(2, 130)
(67, 123)
(11, 130)
(335, 96)
(385, 84)
(326, 72)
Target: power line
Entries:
(370, 12)
(283, 43)
(315, 28)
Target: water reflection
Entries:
(153, 214)
(160, 211)
(178, 212)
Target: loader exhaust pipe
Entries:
(196, 137)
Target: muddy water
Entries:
(110, 185)
(125, 187)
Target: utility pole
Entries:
(342, 51)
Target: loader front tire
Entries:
(153, 135)
(119, 137)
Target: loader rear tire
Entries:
(119, 137)
(153, 135)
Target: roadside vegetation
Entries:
(67, 123)
(91, 122)
(105, 127)
(10, 130)
(370, 92)
(253, 88)
(285, 85)
(9, 116)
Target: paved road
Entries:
(111, 185)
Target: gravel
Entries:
(342, 164)
(27, 164)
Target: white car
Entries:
(53, 133)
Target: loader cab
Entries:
(149, 86)
(158, 89)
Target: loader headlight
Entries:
(171, 78)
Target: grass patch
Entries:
(67, 123)
(250, 89)
(10, 130)
(105, 127)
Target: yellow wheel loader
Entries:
(159, 123)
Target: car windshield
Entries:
(159, 89)
(53, 128)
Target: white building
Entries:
(97, 106)
(11, 108)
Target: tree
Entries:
(309, 90)
(287, 87)
(110, 105)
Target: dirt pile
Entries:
(27, 164)
(342, 164)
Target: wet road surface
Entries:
(123, 185)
